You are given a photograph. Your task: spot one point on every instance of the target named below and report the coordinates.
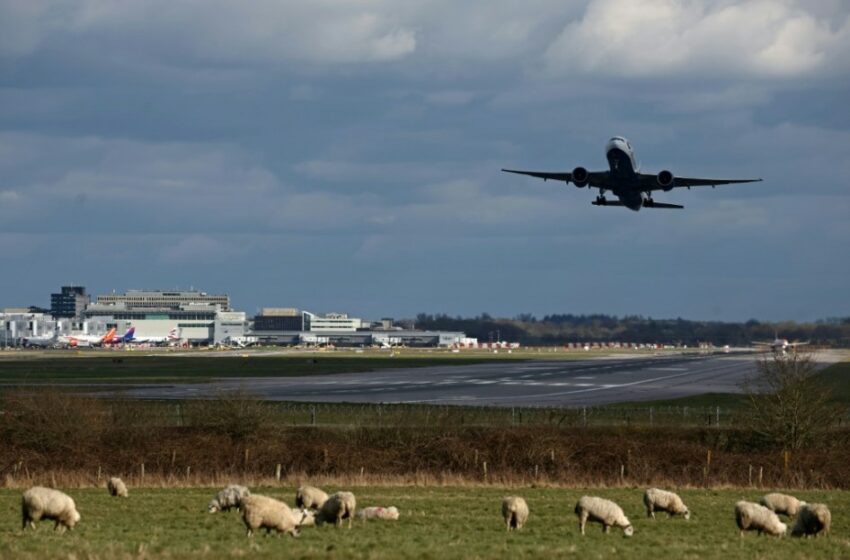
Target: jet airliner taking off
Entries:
(632, 188)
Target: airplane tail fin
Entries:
(109, 336)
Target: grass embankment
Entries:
(436, 522)
(129, 368)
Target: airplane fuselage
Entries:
(623, 169)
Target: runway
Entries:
(533, 383)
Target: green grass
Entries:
(436, 522)
(128, 368)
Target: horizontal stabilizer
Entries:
(648, 204)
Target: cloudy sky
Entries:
(344, 155)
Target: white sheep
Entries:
(46, 503)
(514, 512)
(305, 517)
(386, 513)
(812, 520)
(781, 503)
(116, 487)
(754, 517)
(264, 512)
(606, 512)
(310, 497)
(338, 506)
(230, 497)
(656, 499)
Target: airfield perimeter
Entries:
(450, 379)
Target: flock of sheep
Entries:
(315, 507)
(312, 507)
(810, 519)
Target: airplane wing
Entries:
(594, 178)
(650, 181)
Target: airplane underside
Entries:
(631, 200)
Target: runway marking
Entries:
(561, 393)
(668, 369)
(585, 377)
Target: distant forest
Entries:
(560, 329)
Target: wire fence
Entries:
(421, 415)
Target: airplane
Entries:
(780, 344)
(81, 339)
(126, 338)
(45, 341)
(172, 336)
(625, 180)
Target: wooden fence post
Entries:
(761, 476)
(750, 476)
(485, 470)
(142, 472)
(277, 472)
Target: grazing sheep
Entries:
(310, 497)
(602, 511)
(781, 503)
(117, 487)
(230, 497)
(268, 513)
(754, 517)
(46, 503)
(338, 506)
(514, 512)
(812, 520)
(387, 513)
(656, 499)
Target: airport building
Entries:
(70, 302)
(145, 299)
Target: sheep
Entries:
(656, 499)
(230, 497)
(514, 512)
(782, 503)
(46, 503)
(386, 513)
(117, 487)
(813, 519)
(261, 511)
(310, 497)
(754, 517)
(602, 511)
(305, 517)
(338, 506)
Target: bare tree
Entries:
(789, 404)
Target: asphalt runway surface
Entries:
(533, 383)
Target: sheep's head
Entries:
(687, 514)
(628, 531)
(305, 517)
(213, 507)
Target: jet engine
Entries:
(665, 180)
(580, 177)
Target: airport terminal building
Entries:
(197, 318)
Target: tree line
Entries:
(560, 329)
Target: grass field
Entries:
(436, 522)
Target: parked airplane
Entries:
(126, 338)
(625, 180)
(172, 336)
(82, 339)
(780, 345)
(45, 341)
